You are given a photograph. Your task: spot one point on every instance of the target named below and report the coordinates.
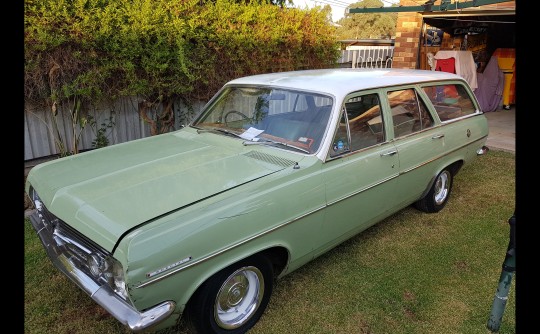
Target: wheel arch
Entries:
(453, 167)
(278, 256)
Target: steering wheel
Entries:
(244, 117)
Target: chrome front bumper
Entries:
(101, 294)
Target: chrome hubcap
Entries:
(239, 297)
(442, 187)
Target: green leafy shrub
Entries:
(163, 49)
(101, 131)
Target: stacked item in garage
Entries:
(506, 58)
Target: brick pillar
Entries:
(407, 42)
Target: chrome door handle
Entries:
(437, 136)
(389, 153)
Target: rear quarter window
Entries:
(409, 113)
(450, 101)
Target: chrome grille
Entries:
(59, 239)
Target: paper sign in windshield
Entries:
(251, 133)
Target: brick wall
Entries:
(407, 39)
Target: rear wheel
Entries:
(233, 300)
(438, 195)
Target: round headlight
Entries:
(94, 265)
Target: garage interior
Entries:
(489, 35)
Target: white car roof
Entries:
(339, 81)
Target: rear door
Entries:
(428, 139)
(455, 106)
(418, 139)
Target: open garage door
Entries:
(489, 35)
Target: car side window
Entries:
(450, 101)
(365, 121)
(360, 126)
(340, 143)
(409, 113)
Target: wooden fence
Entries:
(44, 132)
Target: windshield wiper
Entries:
(259, 141)
(219, 130)
(274, 143)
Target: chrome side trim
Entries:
(439, 157)
(363, 189)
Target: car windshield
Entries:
(289, 119)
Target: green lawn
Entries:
(412, 273)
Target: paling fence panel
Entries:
(128, 123)
(40, 130)
(37, 138)
(45, 133)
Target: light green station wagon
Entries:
(276, 170)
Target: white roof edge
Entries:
(337, 81)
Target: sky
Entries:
(338, 6)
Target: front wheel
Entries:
(438, 195)
(233, 300)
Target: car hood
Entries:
(106, 192)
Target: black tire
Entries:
(438, 195)
(245, 286)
